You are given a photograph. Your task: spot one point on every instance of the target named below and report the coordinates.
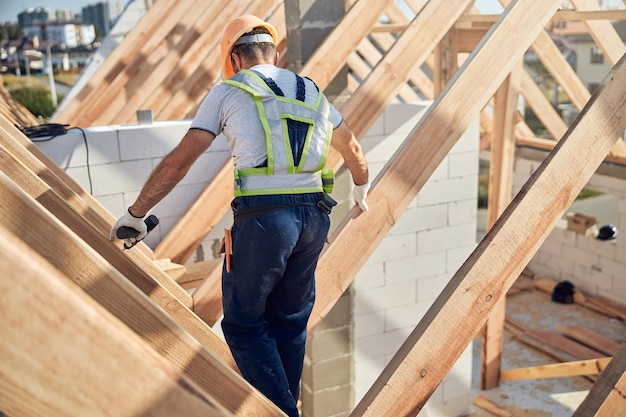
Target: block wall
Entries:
(594, 266)
(113, 163)
(416, 259)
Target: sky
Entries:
(10, 8)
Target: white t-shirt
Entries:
(232, 111)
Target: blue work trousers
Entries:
(269, 292)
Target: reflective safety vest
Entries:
(297, 138)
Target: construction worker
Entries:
(279, 127)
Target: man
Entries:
(279, 128)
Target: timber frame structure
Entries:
(133, 324)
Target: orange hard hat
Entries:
(233, 32)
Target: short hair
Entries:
(251, 51)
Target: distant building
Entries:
(69, 34)
(103, 15)
(64, 15)
(38, 14)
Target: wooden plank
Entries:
(556, 370)
(459, 312)
(195, 349)
(61, 351)
(489, 405)
(608, 306)
(590, 338)
(568, 346)
(606, 397)
(208, 297)
(542, 108)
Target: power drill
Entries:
(125, 232)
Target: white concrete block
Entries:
(429, 288)
(123, 176)
(379, 345)
(381, 148)
(404, 317)
(455, 257)
(394, 247)
(415, 267)
(150, 141)
(402, 118)
(378, 299)
(368, 324)
(463, 164)
(437, 240)
(462, 211)
(447, 190)
(371, 275)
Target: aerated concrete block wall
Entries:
(113, 163)
(594, 266)
(423, 250)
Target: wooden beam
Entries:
(26, 164)
(185, 348)
(183, 102)
(63, 354)
(328, 59)
(501, 167)
(420, 38)
(138, 44)
(556, 370)
(458, 313)
(606, 397)
(590, 338)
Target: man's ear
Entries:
(276, 58)
(236, 62)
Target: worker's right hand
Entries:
(360, 193)
(133, 222)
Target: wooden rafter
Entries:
(73, 357)
(195, 356)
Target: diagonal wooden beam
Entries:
(606, 397)
(63, 354)
(158, 21)
(461, 309)
(329, 57)
(185, 348)
(435, 19)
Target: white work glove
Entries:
(133, 222)
(360, 193)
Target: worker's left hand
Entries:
(133, 222)
(360, 193)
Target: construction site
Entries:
(430, 303)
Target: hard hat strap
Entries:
(256, 38)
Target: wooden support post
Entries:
(500, 194)
(63, 354)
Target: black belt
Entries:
(325, 205)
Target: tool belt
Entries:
(325, 205)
